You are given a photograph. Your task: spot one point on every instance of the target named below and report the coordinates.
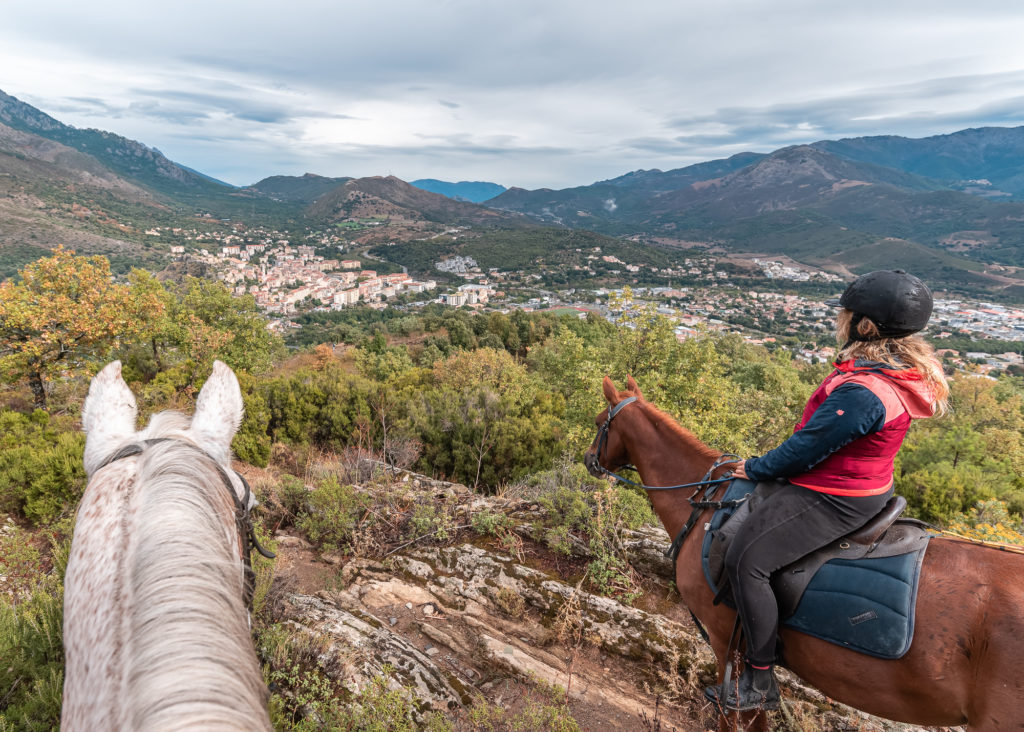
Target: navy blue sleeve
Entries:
(849, 412)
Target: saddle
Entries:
(859, 591)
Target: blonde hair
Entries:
(908, 352)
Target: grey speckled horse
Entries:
(156, 631)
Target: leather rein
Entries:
(709, 484)
(243, 516)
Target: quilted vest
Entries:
(865, 466)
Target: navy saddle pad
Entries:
(864, 604)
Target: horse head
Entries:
(108, 417)
(608, 452)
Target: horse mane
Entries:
(664, 421)
(185, 614)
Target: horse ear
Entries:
(611, 394)
(218, 412)
(631, 386)
(108, 415)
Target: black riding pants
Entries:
(789, 523)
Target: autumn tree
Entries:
(62, 312)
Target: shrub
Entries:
(429, 519)
(41, 473)
(32, 670)
(332, 515)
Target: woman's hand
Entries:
(738, 470)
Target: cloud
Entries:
(549, 94)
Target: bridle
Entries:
(243, 516)
(709, 484)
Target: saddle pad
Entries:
(863, 604)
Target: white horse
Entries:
(156, 631)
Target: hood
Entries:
(915, 394)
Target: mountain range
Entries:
(950, 207)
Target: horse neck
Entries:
(190, 632)
(664, 454)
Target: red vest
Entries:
(865, 466)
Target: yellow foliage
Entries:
(66, 308)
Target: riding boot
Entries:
(755, 689)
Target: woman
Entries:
(838, 464)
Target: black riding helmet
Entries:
(899, 303)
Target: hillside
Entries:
(392, 199)
(984, 162)
(808, 203)
(126, 157)
(304, 189)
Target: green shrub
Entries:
(543, 709)
(41, 473)
(430, 519)
(332, 514)
(32, 666)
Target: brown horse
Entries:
(965, 663)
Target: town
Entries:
(287, 278)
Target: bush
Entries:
(332, 514)
(32, 669)
(41, 473)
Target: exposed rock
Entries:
(360, 646)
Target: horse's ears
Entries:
(108, 416)
(631, 386)
(218, 412)
(611, 394)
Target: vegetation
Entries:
(492, 401)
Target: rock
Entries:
(439, 636)
(377, 594)
(428, 609)
(359, 647)
(393, 621)
(287, 540)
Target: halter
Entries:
(243, 516)
(707, 482)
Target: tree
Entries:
(66, 310)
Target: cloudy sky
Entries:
(530, 93)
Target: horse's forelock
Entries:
(167, 424)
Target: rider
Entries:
(838, 463)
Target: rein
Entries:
(243, 516)
(709, 484)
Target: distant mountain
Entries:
(987, 161)
(392, 198)
(302, 189)
(847, 205)
(127, 158)
(473, 191)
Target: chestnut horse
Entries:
(156, 629)
(965, 663)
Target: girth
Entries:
(243, 516)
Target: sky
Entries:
(527, 93)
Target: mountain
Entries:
(830, 204)
(985, 161)
(391, 198)
(128, 158)
(473, 191)
(302, 189)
